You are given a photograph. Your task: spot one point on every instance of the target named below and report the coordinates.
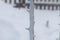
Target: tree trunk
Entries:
(31, 20)
(10, 1)
(14, 1)
(31, 28)
(5, 1)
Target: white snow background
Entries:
(13, 23)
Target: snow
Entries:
(43, 32)
(13, 22)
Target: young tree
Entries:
(31, 12)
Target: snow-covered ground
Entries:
(14, 21)
(43, 32)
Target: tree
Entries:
(31, 28)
